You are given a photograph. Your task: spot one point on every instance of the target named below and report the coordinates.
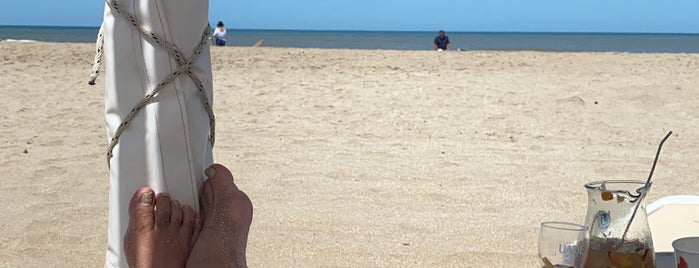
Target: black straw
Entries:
(657, 155)
(655, 162)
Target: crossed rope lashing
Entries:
(184, 68)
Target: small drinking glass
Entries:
(563, 245)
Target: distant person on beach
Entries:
(164, 233)
(220, 34)
(441, 42)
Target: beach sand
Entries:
(359, 158)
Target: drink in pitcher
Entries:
(619, 233)
(612, 252)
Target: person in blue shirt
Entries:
(441, 42)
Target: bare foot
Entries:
(227, 214)
(161, 232)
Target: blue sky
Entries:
(674, 16)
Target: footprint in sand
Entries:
(572, 100)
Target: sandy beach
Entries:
(359, 158)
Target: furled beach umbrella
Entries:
(158, 96)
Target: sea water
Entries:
(593, 42)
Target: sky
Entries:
(650, 16)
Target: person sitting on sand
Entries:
(164, 233)
(220, 34)
(441, 42)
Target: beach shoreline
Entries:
(361, 158)
(632, 42)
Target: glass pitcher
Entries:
(611, 206)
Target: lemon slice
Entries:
(606, 196)
(547, 263)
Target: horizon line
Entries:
(397, 31)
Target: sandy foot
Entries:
(227, 214)
(161, 232)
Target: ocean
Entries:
(593, 42)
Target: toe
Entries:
(222, 177)
(141, 209)
(219, 182)
(176, 215)
(207, 200)
(191, 227)
(188, 217)
(222, 187)
(163, 211)
(197, 228)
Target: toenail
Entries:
(147, 198)
(210, 172)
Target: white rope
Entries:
(184, 67)
(98, 56)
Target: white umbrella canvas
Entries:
(158, 96)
